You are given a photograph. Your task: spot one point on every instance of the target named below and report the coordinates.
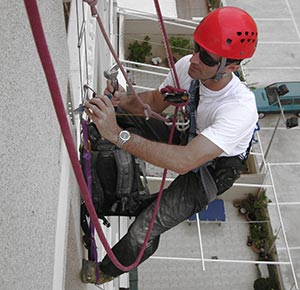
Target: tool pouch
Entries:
(119, 185)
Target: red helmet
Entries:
(228, 32)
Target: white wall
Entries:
(31, 147)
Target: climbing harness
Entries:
(177, 96)
(218, 174)
(182, 121)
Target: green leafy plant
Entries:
(214, 4)
(263, 284)
(258, 232)
(180, 45)
(138, 51)
(261, 201)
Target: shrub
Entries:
(139, 51)
(180, 45)
(263, 284)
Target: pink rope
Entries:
(167, 44)
(147, 109)
(47, 64)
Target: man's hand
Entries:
(101, 111)
(116, 93)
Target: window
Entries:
(286, 102)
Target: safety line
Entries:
(47, 64)
(167, 45)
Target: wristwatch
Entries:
(123, 137)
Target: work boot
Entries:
(89, 273)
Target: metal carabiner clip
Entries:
(81, 107)
(181, 125)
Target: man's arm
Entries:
(153, 98)
(180, 159)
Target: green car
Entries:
(271, 99)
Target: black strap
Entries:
(194, 101)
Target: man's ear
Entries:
(232, 67)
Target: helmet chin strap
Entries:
(220, 73)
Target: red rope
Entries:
(47, 64)
(41, 44)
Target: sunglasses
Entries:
(204, 56)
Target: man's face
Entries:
(204, 64)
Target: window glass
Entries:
(297, 101)
(285, 102)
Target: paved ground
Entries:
(277, 59)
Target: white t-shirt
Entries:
(227, 117)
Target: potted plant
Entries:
(246, 207)
(249, 241)
(139, 51)
(263, 284)
(180, 45)
(261, 201)
(236, 203)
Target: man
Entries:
(213, 159)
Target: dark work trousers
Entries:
(184, 197)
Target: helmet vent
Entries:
(228, 41)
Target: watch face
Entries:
(124, 135)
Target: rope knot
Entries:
(92, 4)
